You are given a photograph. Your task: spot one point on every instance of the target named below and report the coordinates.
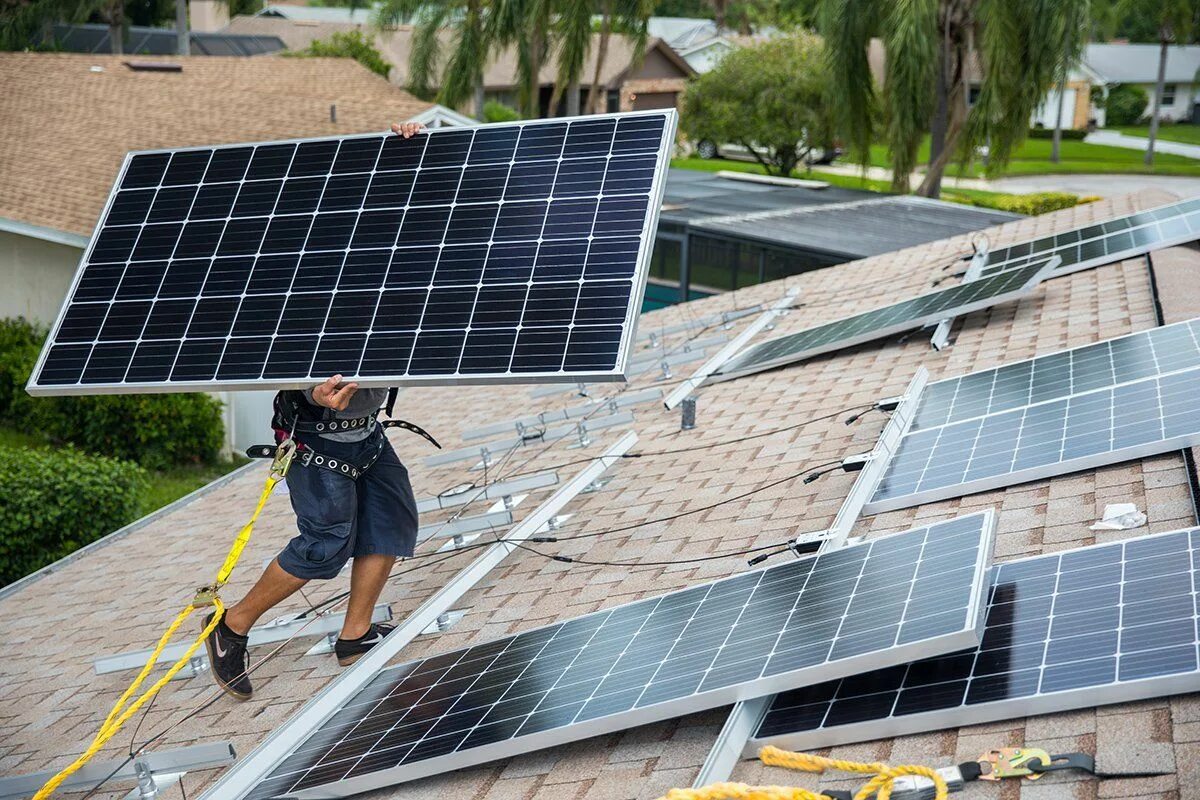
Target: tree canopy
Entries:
(347, 44)
(772, 98)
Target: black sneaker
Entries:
(228, 659)
(350, 650)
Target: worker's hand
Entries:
(333, 394)
(407, 129)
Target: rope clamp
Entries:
(1012, 762)
(283, 457)
(205, 596)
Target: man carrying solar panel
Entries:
(369, 514)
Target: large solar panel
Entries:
(887, 321)
(511, 252)
(1104, 242)
(1123, 398)
(807, 620)
(1104, 624)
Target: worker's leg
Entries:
(272, 588)
(386, 528)
(368, 574)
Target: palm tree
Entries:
(465, 24)
(1074, 32)
(932, 47)
(527, 26)
(573, 34)
(1175, 20)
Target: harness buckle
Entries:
(283, 457)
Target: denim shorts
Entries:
(340, 517)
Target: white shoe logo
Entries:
(378, 638)
(217, 641)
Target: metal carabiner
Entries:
(284, 454)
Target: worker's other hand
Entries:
(407, 129)
(333, 393)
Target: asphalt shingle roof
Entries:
(118, 597)
(67, 120)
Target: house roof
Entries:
(55, 625)
(1138, 63)
(395, 44)
(353, 16)
(67, 120)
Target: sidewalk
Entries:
(1118, 139)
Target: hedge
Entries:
(156, 431)
(1048, 133)
(1031, 204)
(1126, 105)
(52, 502)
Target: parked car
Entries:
(706, 148)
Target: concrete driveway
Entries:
(1099, 185)
(1118, 139)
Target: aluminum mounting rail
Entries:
(941, 332)
(727, 352)
(469, 493)
(241, 779)
(157, 763)
(485, 453)
(277, 630)
(519, 424)
(457, 527)
(666, 362)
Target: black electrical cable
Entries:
(689, 512)
(672, 562)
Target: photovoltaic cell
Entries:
(1124, 398)
(888, 320)
(807, 620)
(1104, 242)
(496, 253)
(1103, 624)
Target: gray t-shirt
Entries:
(364, 403)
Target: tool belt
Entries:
(295, 415)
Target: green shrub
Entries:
(1048, 133)
(346, 44)
(20, 342)
(54, 502)
(156, 431)
(1126, 105)
(495, 111)
(1031, 204)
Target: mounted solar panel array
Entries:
(1124, 398)
(1103, 624)
(501, 253)
(887, 321)
(1104, 242)
(875, 603)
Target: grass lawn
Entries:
(844, 181)
(164, 486)
(1033, 158)
(1178, 132)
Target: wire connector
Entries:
(856, 463)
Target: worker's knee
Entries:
(319, 551)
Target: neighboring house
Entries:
(307, 13)
(676, 517)
(656, 81)
(67, 121)
(1137, 64)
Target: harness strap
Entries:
(411, 427)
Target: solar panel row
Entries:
(496, 252)
(1104, 242)
(744, 636)
(1102, 624)
(1127, 397)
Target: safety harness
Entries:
(295, 415)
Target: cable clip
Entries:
(283, 457)
(1012, 762)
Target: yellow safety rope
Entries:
(879, 786)
(205, 596)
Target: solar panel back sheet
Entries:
(869, 605)
(499, 253)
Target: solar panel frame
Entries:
(1157, 216)
(629, 324)
(978, 529)
(1083, 626)
(762, 356)
(1171, 383)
